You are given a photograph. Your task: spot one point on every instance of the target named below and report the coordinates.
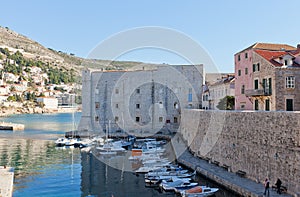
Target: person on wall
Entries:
(278, 185)
(267, 187)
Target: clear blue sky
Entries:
(222, 28)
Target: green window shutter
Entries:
(270, 86)
(256, 84)
(256, 105)
(267, 105)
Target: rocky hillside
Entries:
(33, 50)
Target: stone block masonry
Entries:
(6, 181)
(259, 144)
(139, 102)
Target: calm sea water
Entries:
(41, 169)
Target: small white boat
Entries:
(98, 139)
(61, 141)
(184, 186)
(170, 186)
(83, 143)
(166, 173)
(146, 169)
(71, 142)
(180, 175)
(110, 147)
(199, 191)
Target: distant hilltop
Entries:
(31, 49)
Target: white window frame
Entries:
(290, 82)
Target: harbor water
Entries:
(41, 169)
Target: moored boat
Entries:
(199, 191)
(170, 186)
(184, 186)
(61, 141)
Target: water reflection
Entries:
(99, 179)
(45, 122)
(41, 169)
(35, 159)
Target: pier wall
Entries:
(260, 144)
(6, 181)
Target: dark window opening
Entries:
(256, 84)
(289, 105)
(137, 119)
(267, 105)
(256, 105)
(175, 120)
(243, 89)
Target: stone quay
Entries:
(6, 181)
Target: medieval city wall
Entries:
(261, 144)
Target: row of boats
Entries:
(103, 143)
(76, 142)
(173, 178)
(169, 177)
(156, 167)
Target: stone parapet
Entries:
(259, 144)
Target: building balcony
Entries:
(258, 92)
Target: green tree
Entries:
(5, 51)
(226, 103)
(19, 98)
(30, 96)
(78, 100)
(11, 98)
(27, 69)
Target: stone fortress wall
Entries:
(261, 144)
(141, 102)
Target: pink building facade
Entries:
(249, 64)
(243, 78)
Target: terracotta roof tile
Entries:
(271, 55)
(270, 47)
(274, 47)
(268, 55)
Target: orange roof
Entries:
(270, 47)
(273, 47)
(271, 55)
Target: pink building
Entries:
(248, 63)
